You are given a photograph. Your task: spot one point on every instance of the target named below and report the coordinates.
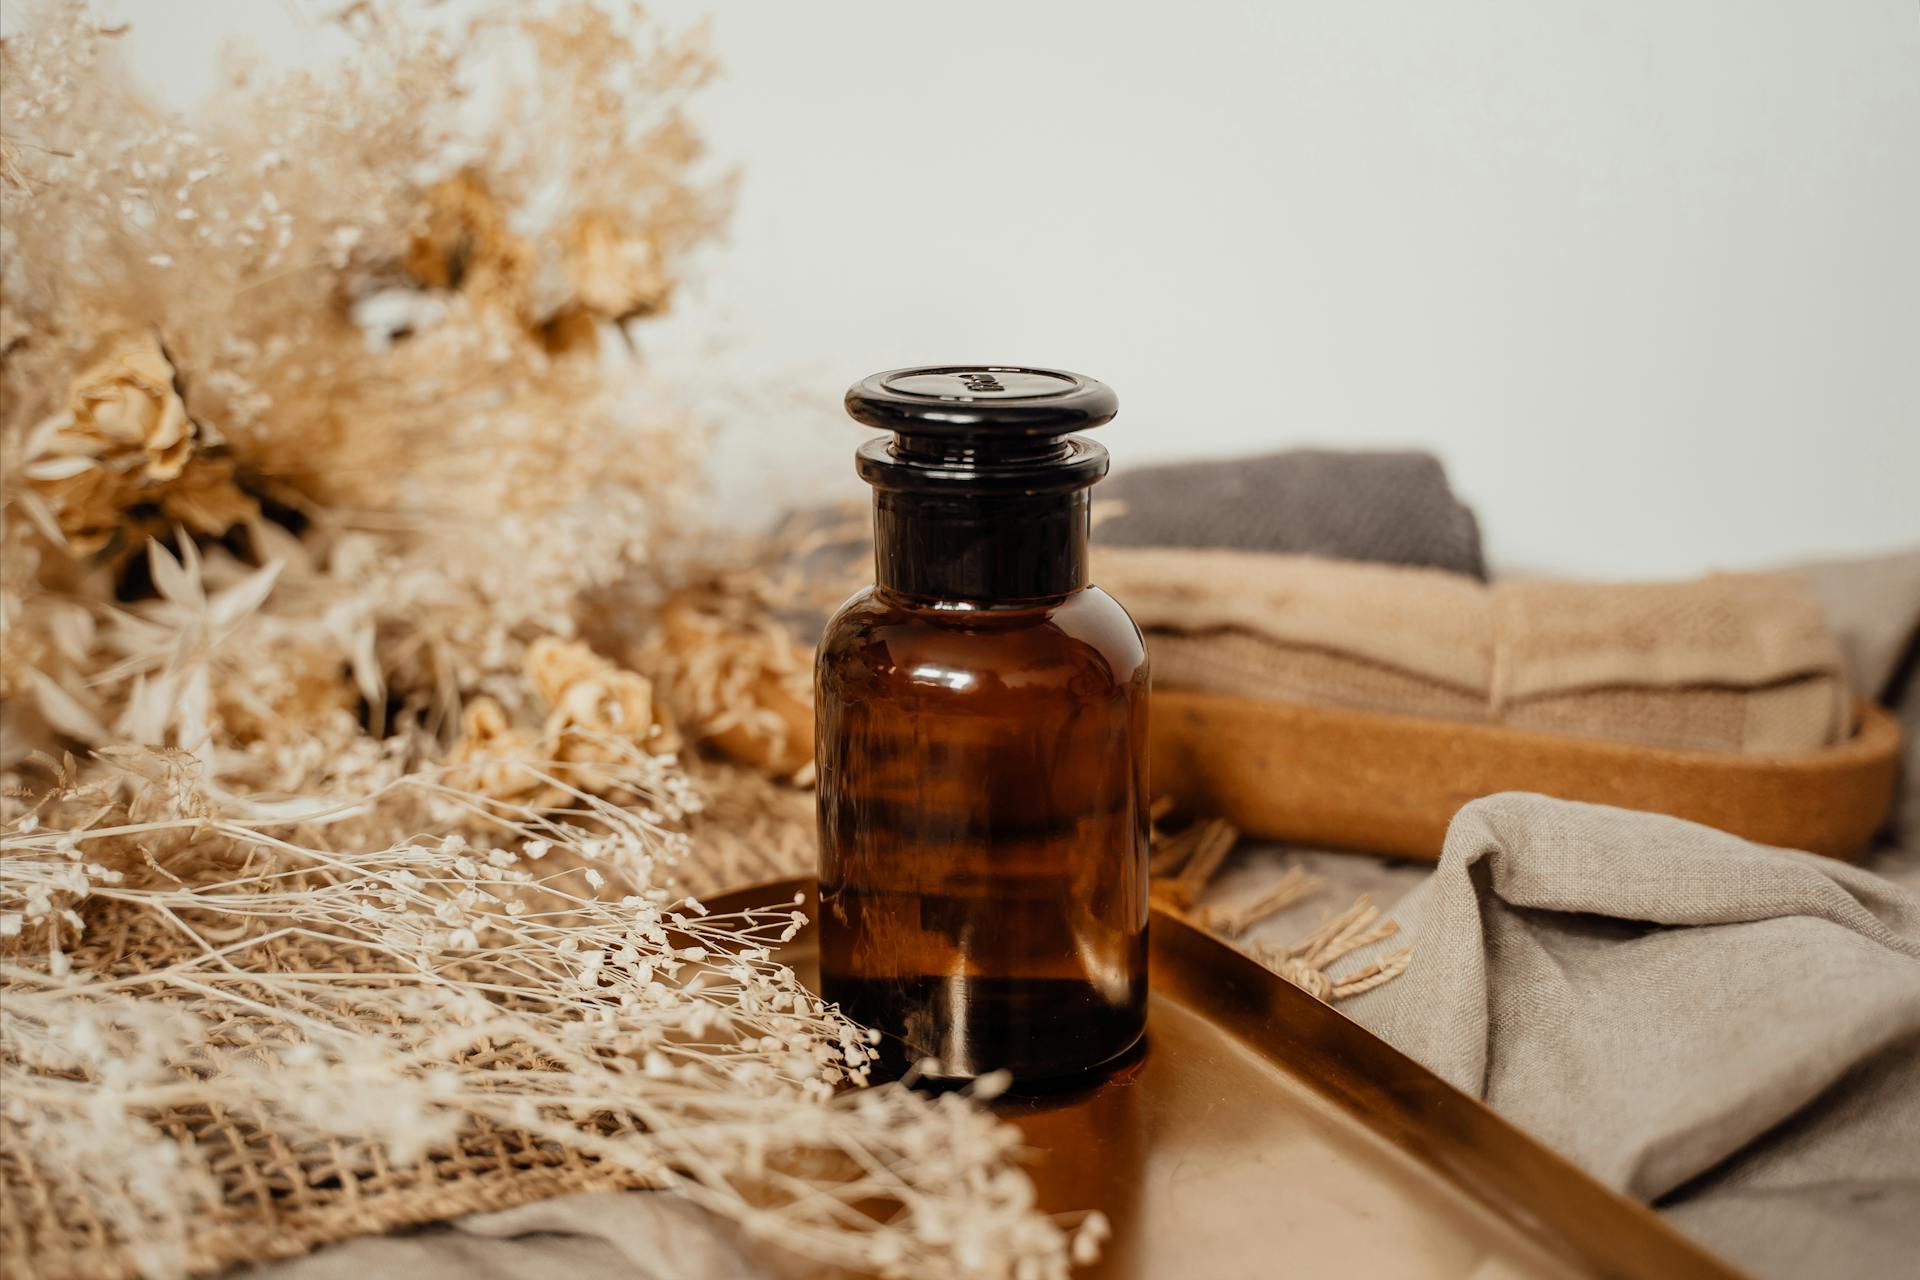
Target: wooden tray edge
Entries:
(1389, 784)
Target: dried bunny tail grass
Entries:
(345, 1012)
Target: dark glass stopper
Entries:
(982, 486)
(981, 428)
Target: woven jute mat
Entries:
(278, 1196)
(279, 1202)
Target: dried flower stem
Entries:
(1305, 963)
(1285, 892)
(1198, 853)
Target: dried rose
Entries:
(553, 664)
(127, 414)
(616, 704)
(590, 696)
(613, 274)
(739, 682)
(89, 502)
(488, 758)
(598, 714)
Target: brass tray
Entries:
(1260, 1132)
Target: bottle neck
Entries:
(980, 548)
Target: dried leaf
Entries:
(64, 712)
(234, 603)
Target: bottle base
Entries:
(1047, 1090)
(952, 1030)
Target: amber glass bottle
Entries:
(982, 735)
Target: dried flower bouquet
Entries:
(343, 879)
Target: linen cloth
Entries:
(1392, 507)
(1651, 997)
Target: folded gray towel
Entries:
(1386, 507)
(1728, 1029)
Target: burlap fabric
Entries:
(1729, 662)
(278, 1198)
(279, 1202)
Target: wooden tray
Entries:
(1259, 1132)
(1390, 784)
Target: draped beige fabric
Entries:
(1729, 1030)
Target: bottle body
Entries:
(983, 829)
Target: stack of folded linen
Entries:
(1730, 662)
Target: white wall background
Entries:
(1645, 273)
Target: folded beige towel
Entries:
(1730, 662)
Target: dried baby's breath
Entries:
(346, 1009)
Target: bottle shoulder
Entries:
(1086, 634)
(1097, 617)
(1089, 615)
